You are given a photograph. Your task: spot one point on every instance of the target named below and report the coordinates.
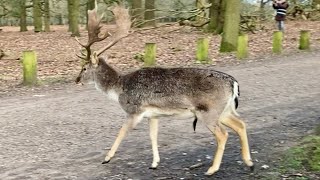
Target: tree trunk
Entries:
(23, 16)
(37, 16)
(69, 15)
(263, 4)
(316, 4)
(231, 26)
(216, 16)
(149, 14)
(46, 16)
(73, 14)
(90, 6)
(137, 12)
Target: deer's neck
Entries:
(107, 80)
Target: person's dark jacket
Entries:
(281, 9)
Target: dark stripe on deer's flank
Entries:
(202, 107)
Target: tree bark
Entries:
(316, 4)
(231, 26)
(149, 14)
(46, 16)
(73, 15)
(37, 16)
(23, 16)
(90, 6)
(137, 11)
(216, 16)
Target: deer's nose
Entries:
(78, 79)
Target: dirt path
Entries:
(63, 134)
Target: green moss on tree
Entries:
(242, 50)
(277, 42)
(304, 43)
(150, 54)
(202, 50)
(29, 68)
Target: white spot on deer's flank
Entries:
(113, 95)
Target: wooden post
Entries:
(29, 68)
(304, 43)
(150, 54)
(202, 50)
(242, 49)
(277, 42)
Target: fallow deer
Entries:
(207, 95)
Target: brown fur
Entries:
(207, 95)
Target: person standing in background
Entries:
(281, 7)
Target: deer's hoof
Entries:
(154, 165)
(105, 162)
(252, 168)
(210, 171)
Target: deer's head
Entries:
(90, 60)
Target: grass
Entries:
(303, 158)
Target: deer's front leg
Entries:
(153, 122)
(133, 120)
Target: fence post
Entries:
(242, 49)
(29, 62)
(150, 54)
(277, 42)
(202, 50)
(304, 43)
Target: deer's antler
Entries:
(123, 23)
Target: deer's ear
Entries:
(94, 59)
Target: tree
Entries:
(37, 16)
(23, 16)
(231, 26)
(137, 11)
(149, 15)
(262, 8)
(73, 15)
(316, 4)
(90, 6)
(216, 12)
(46, 16)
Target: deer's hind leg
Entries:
(239, 127)
(221, 136)
(133, 120)
(211, 120)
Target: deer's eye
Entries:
(84, 69)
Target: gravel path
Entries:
(64, 134)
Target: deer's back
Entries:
(175, 88)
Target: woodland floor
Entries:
(62, 131)
(57, 61)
